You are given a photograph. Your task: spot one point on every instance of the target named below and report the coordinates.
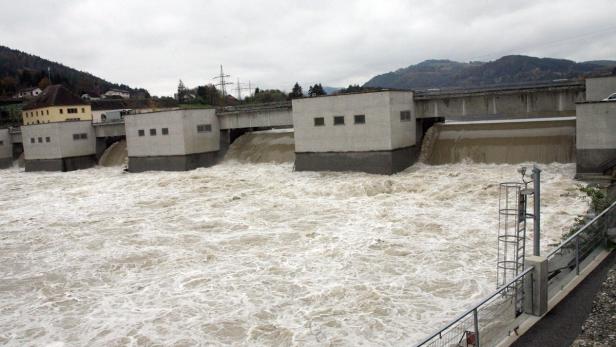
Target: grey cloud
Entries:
(152, 44)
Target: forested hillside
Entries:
(22, 70)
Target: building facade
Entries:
(117, 93)
(371, 132)
(59, 146)
(28, 93)
(55, 104)
(176, 140)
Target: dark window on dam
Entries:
(204, 128)
(32, 140)
(338, 120)
(1, 143)
(165, 131)
(405, 116)
(47, 139)
(141, 132)
(83, 136)
(152, 132)
(40, 140)
(360, 119)
(319, 121)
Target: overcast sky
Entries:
(152, 44)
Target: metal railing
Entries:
(494, 318)
(578, 250)
(486, 322)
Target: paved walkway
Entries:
(561, 326)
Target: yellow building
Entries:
(55, 104)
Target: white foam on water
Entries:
(252, 254)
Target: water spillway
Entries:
(272, 146)
(501, 142)
(115, 155)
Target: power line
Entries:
(222, 83)
(242, 86)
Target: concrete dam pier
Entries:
(378, 132)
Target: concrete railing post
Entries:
(536, 286)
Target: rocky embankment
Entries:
(599, 329)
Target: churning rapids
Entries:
(252, 253)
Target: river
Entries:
(252, 253)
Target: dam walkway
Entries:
(546, 285)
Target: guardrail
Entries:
(493, 318)
(577, 251)
(487, 321)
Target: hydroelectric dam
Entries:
(251, 246)
(378, 132)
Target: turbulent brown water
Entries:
(252, 253)
(115, 155)
(500, 142)
(274, 146)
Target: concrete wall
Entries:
(403, 132)
(260, 119)
(182, 139)
(542, 102)
(596, 136)
(600, 88)
(6, 149)
(55, 140)
(116, 129)
(183, 148)
(381, 112)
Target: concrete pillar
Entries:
(464, 106)
(6, 149)
(494, 105)
(435, 108)
(529, 99)
(536, 286)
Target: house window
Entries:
(204, 128)
(338, 120)
(83, 136)
(141, 132)
(75, 137)
(319, 121)
(32, 140)
(47, 111)
(165, 131)
(83, 110)
(405, 116)
(40, 140)
(152, 132)
(61, 111)
(71, 110)
(360, 119)
(47, 139)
